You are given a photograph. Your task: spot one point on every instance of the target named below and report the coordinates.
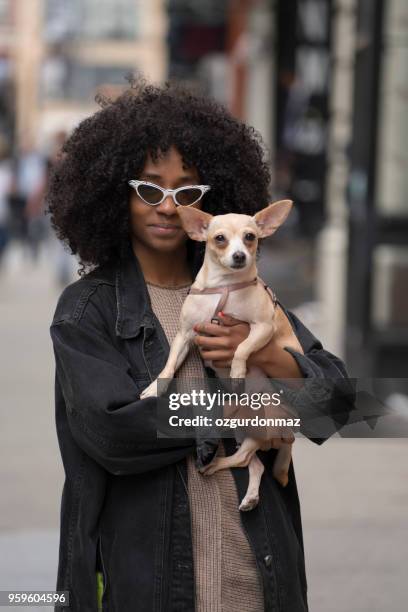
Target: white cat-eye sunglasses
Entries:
(182, 196)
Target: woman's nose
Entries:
(168, 206)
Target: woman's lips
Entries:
(163, 229)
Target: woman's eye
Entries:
(250, 236)
(220, 238)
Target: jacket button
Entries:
(268, 560)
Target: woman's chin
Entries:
(165, 244)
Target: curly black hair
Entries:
(88, 192)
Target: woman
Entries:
(134, 507)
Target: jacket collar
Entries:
(132, 298)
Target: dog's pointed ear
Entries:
(270, 218)
(195, 222)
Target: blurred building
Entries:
(225, 48)
(269, 62)
(324, 82)
(377, 285)
(64, 52)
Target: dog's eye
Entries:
(250, 236)
(219, 238)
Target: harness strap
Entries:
(225, 291)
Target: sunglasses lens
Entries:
(150, 194)
(189, 196)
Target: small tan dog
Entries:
(229, 270)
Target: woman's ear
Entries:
(195, 222)
(270, 218)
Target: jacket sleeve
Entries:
(328, 394)
(106, 416)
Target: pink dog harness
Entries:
(225, 291)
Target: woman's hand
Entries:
(219, 343)
(219, 347)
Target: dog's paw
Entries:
(249, 503)
(150, 391)
(238, 371)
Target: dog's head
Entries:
(232, 239)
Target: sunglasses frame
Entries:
(166, 192)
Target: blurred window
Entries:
(54, 78)
(65, 79)
(389, 295)
(59, 21)
(392, 164)
(5, 12)
(208, 12)
(91, 19)
(85, 79)
(108, 18)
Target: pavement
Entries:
(353, 492)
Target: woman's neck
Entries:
(166, 269)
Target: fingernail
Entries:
(221, 314)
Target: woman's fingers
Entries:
(228, 320)
(212, 329)
(221, 363)
(211, 336)
(213, 343)
(215, 355)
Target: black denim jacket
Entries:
(125, 502)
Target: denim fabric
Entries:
(125, 507)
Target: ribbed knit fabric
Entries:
(226, 575)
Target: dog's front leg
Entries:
(178, 352)
(259, 335)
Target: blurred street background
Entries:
(325, 82)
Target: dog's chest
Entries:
(199, 308)
(244, 304)
(251, 304)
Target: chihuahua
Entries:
(229, 275)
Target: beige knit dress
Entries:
(226, 575)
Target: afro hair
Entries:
(88, 192)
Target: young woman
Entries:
(134, 508)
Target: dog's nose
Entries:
(239, 257)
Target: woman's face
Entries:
(158, 227)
